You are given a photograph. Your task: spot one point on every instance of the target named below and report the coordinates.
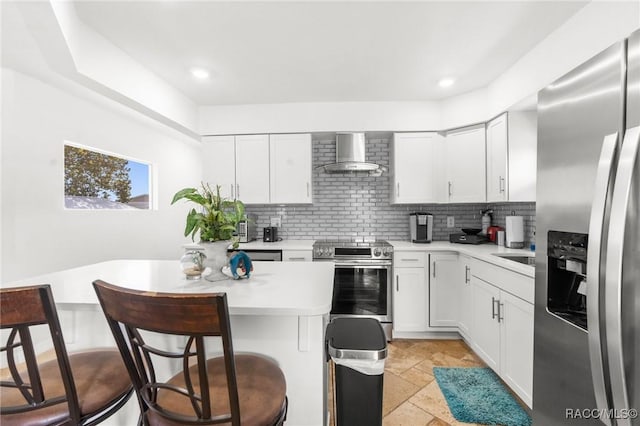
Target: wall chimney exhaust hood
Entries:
(350, 150)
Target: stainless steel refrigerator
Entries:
(587, 314)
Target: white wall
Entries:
(465, 109)
(38, 234)
(594, 28)
(319, 117)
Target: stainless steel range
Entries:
(362, 281)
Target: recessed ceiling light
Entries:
(446, 82)
(200, 73)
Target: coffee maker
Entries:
(421, 227)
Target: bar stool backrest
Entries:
(20, 309)
(195, 316)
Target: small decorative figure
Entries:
(242, 262)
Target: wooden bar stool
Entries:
(238, 389)
(81, 388)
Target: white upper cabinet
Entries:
(260, 169)
(511, 157)
(523, 145)
(290, 175)
(219, 168)
(465, 165)
(417, 170)
(252, 169)
(497, 148)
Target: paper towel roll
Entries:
(514, 233)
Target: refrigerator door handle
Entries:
(615, 252)
(594, 256)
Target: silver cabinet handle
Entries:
(501, 183)
(449, 183)
(409, 260)
(307, 189)
(232, 191)
(434, 269)
(596, 223)
(466, 273)
(493, 308)
(238, 190)
(500, 306)
(398, 189)
(615, 255)
(397, 283)
(295, 258)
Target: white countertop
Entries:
(278, 245)
(483, 252)
(275, 288)
(479, 251)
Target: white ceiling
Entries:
(273, 52)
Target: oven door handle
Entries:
(364, 264)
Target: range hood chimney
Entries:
(350, 156)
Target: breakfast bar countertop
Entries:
(274, 288)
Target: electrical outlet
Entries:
(450, 222)
(276, 221)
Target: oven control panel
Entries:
(378, 250)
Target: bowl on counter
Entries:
(471, 231)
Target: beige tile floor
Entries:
(411, 396)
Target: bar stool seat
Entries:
(261, 390)
(82, 388)
(95, 380)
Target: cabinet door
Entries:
(252, 169)
(497, 146)
(410, 309)
(516, 339)
(486, 328)
(219, 166)
(465, 312)
(290, 171)
(444, 289)
(416, 168)
(465, 164)
(523, 144)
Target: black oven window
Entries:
(360, 291)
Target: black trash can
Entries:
(358, 347)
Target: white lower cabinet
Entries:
(486, 331)
(465, 313)
(516, 336)
(410, 292)
(503, 335)
(445, 280)
(297, 255)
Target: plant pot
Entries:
(216, 253)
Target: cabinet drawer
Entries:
(296, 255)
(411, 259)
(512, 282)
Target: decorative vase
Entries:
(216, 253)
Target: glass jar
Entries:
(192, 264)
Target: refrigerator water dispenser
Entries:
(566, 277)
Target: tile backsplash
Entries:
(357, 205)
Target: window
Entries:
(96, 180)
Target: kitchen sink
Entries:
(527, 260)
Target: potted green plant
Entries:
(215, 222)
